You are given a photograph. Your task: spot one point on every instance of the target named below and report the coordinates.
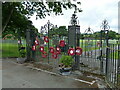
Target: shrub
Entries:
(22, 52)
(66, 60)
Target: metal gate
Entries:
(113, 67)
(47, 56)
(89, 60)
(99, 55)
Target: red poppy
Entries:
(58, 50)
(46, 39)
(71, 51)
(34, 48)
(41, 48)
(62, 43)
(36, 42)
(78, 51)
(51, 50)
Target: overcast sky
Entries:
(94, 12)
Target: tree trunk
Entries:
(8, 19)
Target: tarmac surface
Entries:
(16, 75)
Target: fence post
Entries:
(101, 59)
(49, 40)
(107, 52)
(32, 37)
(105, 28)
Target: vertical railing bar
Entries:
(112, 63)
(115, 64)
(110, 59)
(92, 49)
(95, 47)
(82, 46)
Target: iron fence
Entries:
(113, 74)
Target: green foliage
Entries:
(22, 53)
(15, 15)
(66, 60)
(97, 35)
(17, 22)
(61, 31)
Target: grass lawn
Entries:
(10, 50)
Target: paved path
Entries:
(19, 76)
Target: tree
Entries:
(60, 32)
(97, 35)
(17, 23)
(16, 12)
(111, 35)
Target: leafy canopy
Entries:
(15, 15)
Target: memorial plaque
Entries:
(72, 35)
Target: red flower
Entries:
(41, 48)
(71, 51)
(62, 43)
(46, 39)
(52, 50)
(78, 51)
(34, 48)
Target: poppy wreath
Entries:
(41, 48)
(58, 50)
(71, 51)
(62, 43)
(78, 51)
(36, 42)
(51, 50)
(44, 54)
(46, 39)
(55, 55)
(33, 48)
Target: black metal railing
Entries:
(113, 75)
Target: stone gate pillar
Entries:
(28, 45)
(73, 39)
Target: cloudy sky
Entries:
(94, 12)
